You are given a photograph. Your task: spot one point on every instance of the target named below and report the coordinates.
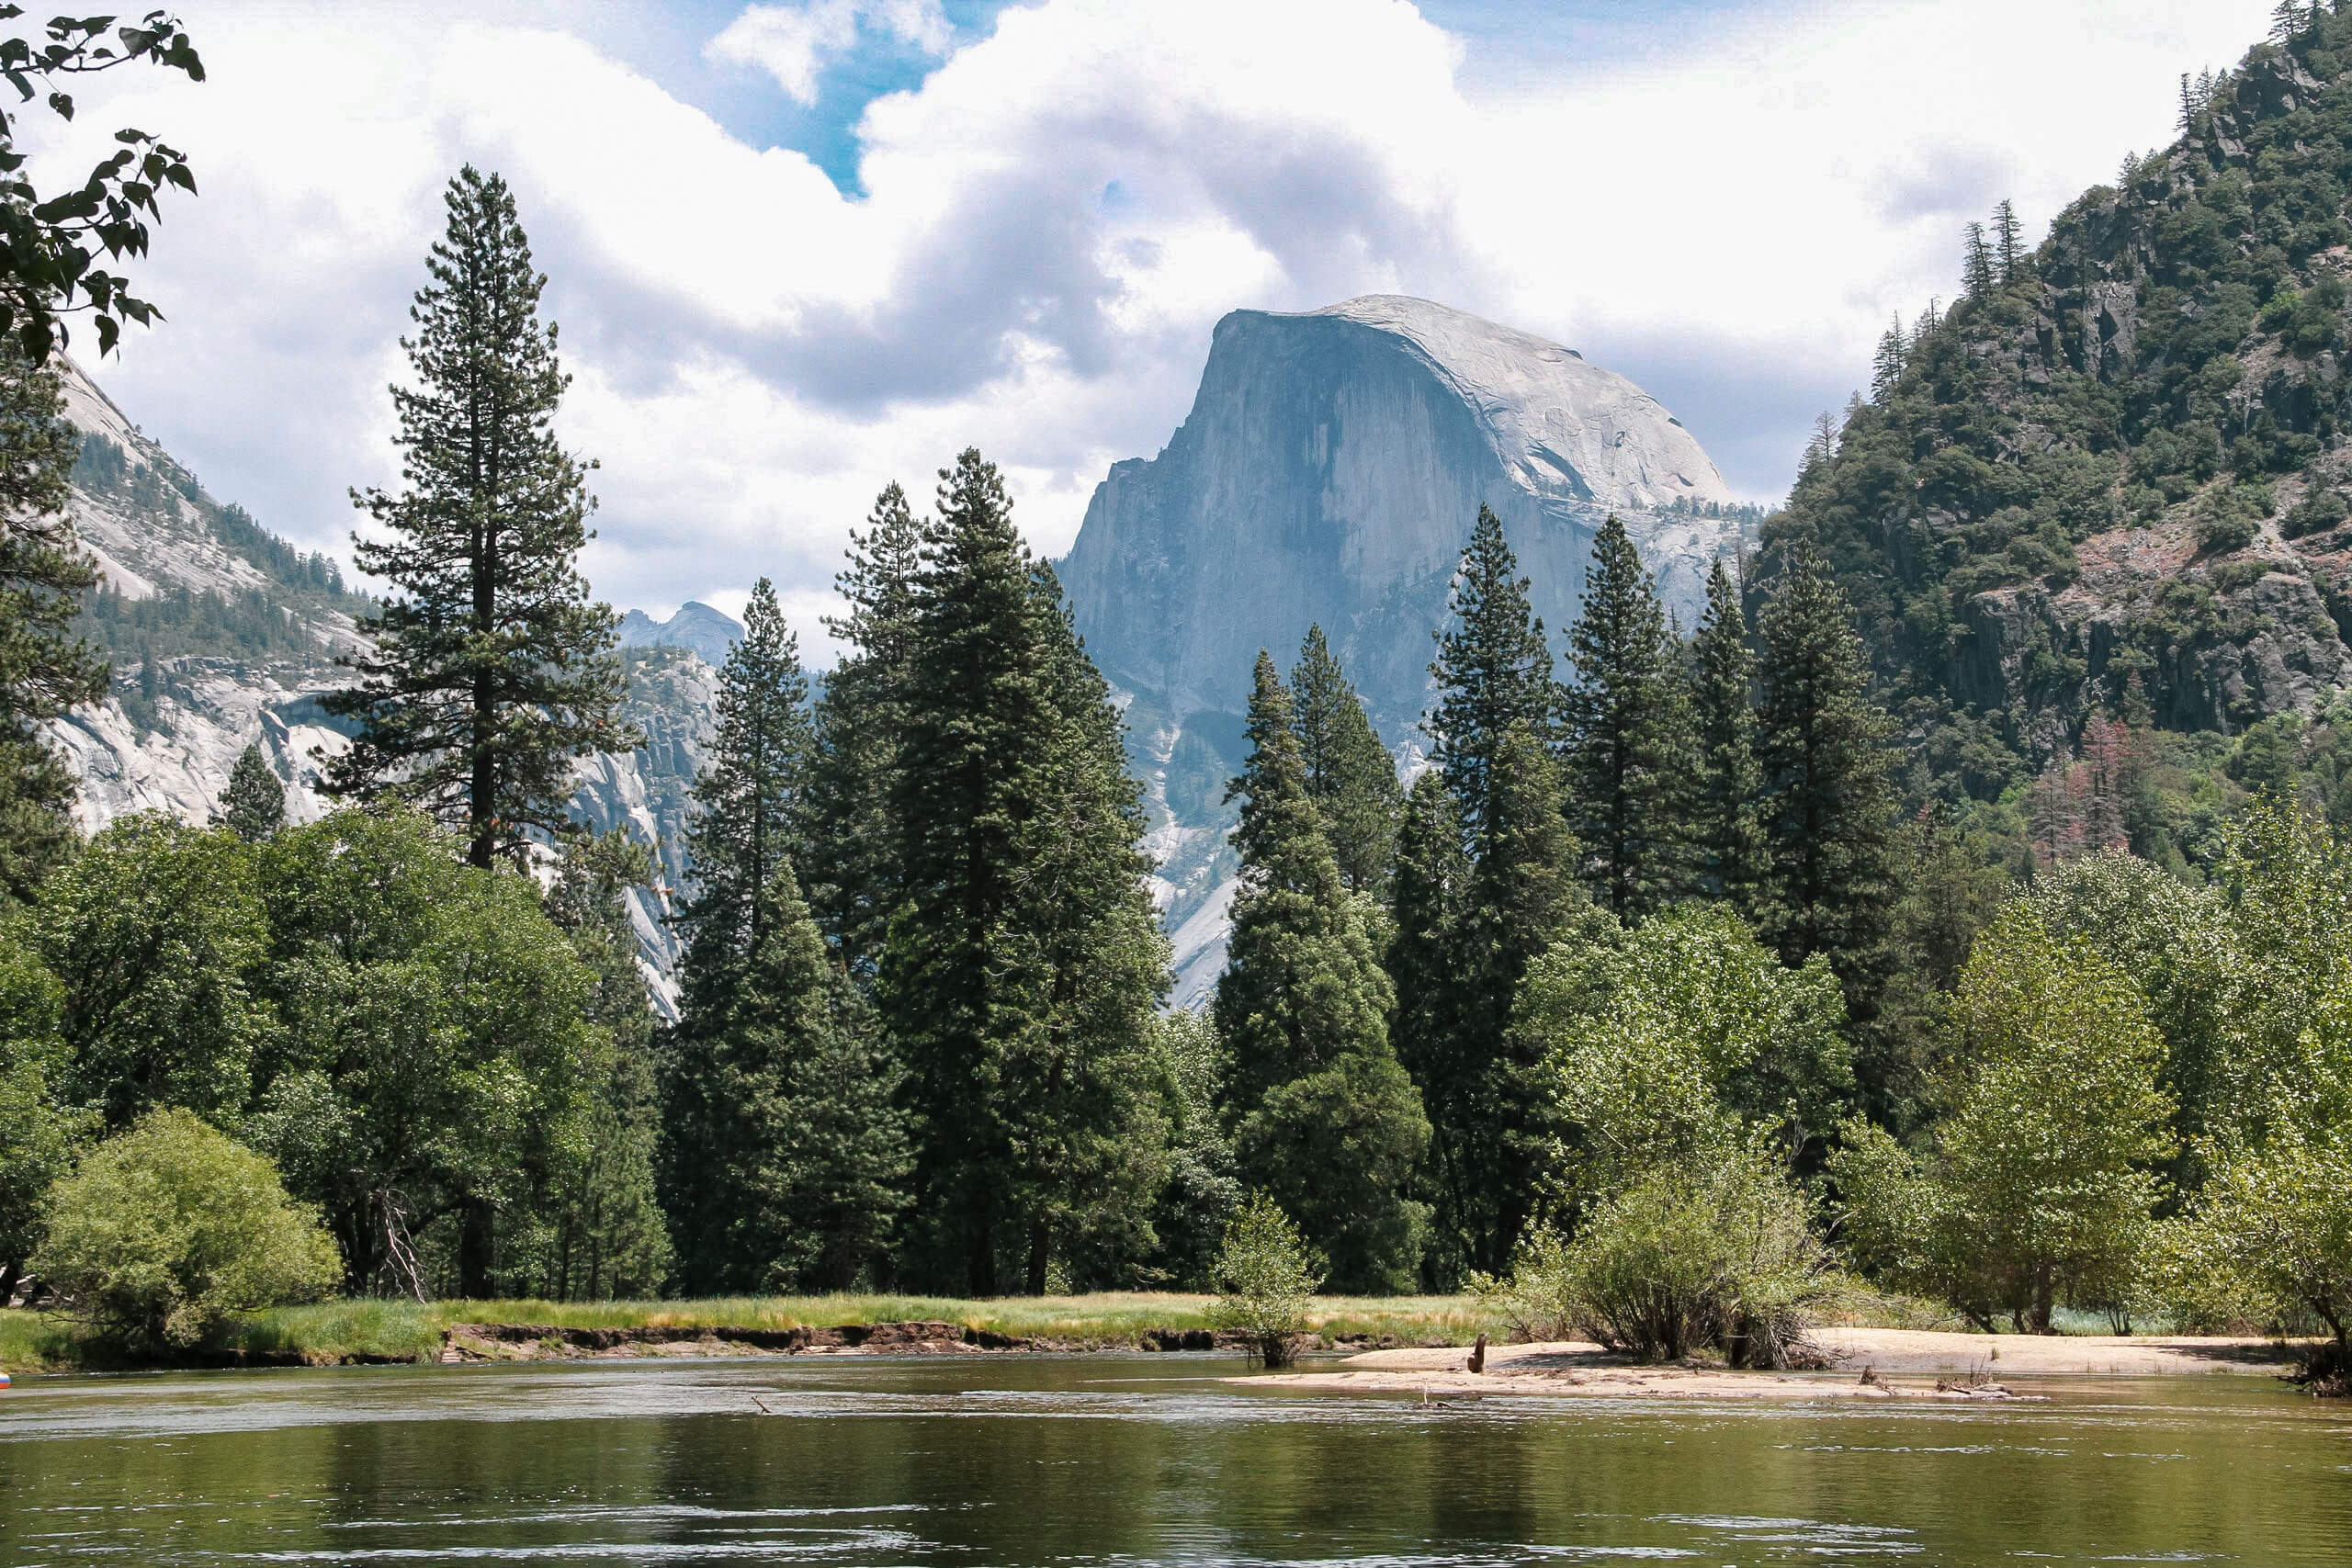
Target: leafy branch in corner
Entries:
(50, 250)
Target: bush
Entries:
(2315, 514)
(1267, 1273)
(163, 1234)
(2270, 1237)
(1717, 1253)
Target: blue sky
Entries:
(801, 247)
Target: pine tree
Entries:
(1976, 276)
(2008, 245)
(1327, 1122)
(44, 668)
(1727, 839)
(254, 806)
(747, 796)
(1886, 366)
(1827, 807)
(1348, 774)
(782, 1155)
(1023, 965)
(1429, 894)
(1624, 733)
(609, 1237)
(2288, 18)
(852, 841)
(488, 670)
(1493, 668)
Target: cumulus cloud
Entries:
(795, 43)
(1054, 217)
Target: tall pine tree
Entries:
(1429, 892)
(850, 862)
(254, 806)
(747, 799)
(1829, 806)
(44, 668)
(1348, 774)
(1623, 733)
(1023, 967)
(488, 670)
(1327, 1122)
(1493, 670)
(1728, 859)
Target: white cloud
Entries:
(1055, 216)
(795, 43)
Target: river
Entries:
(1083, 1461)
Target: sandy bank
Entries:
(1904, 1363)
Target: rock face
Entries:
(167, 738)
(1330, 472)
(709, 633)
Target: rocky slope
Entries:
(223, 635)
(1331, 469)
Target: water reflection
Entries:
(1083, 1461)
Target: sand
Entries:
(1904, 1363)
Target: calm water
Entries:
(1094, 1461)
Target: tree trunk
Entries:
(9, 1274)
(979, 1255)
(1039, 1246)
(473, 1249)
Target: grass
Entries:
(411, 1331)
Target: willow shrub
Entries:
(1267, 1274)
(163, 1235)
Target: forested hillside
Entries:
(2104, 494)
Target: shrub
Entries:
(162, 1234)
(2270, 1237)
(1717, 1253)
(2316, 513)
(1267, 1273)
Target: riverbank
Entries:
(376, 1332)
(1900, 1363)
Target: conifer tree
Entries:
(852, 841)
(747, 797)
(1886, 366)
(1348, 774)
(45, 668)
(1829, 806)
(1624, 733)
(1493, 668)
(2008, 245)
(1429, 894)
(1328, 1124)
(254, 806)
(489, 669)
(783, 1153)
(1728, 860)
(1023, 965)
(1977, 263)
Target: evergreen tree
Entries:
(1023, 965)
(1976, 274)
(1429, 894)
(489, 669)
(254, 806)
(1348, 774)
(2008, 240)
(748, 795)
(1728, 860)
(44, 668)
(782, 1154)
(608, 1238)
(852, 843)
(1328, 1124)
(1886, 365)
(1523, 891)
(1624, 733)
(1828, 806)
(1493, 668)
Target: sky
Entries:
(797, 249)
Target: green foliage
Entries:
(1203, 1190)
(1347, 771)
(1266, 1275)
(1024, 964)
(1726, 784)
(1326, 1119)
(1493, 670)
(1624, 732)
(1714, 1252)
(1683, 1036)
(44, 573)
(38, 1131)
(488, 670)
(157, 935)
(165, 1232)
(2271, 1235)
(2040, 1185)
(54, 244)
(254, 806)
